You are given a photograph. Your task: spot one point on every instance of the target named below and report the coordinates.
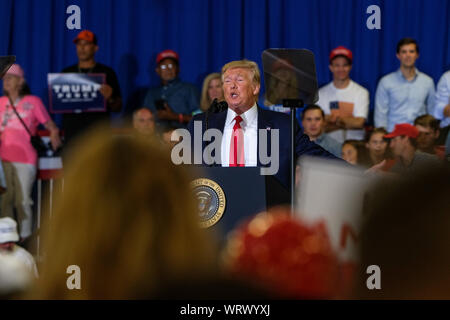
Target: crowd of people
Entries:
(135, 232)
(405, 98)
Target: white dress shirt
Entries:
(249, 125)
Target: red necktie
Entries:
(237, 158)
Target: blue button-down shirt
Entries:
(182, 97)
(398, 100)
(442, 99)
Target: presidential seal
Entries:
(210, 201)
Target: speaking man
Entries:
(243, 120)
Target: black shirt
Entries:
(75, 123)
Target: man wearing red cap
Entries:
(173, 101)
(345, 103)
(404, 148)
(86, 46)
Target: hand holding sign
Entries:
(106, 91)
(167, 113)
(77, 92)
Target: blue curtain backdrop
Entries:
(209, 33)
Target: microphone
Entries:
(215, 107)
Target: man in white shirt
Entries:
(345, 103)
(242, 95)
(243, 121)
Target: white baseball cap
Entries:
(8, 230)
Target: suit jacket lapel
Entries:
(215, 121)
(264, 123)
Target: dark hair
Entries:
(427, 120)
(312, 107)
(405, 233)
(413, 142)
(406, 41)
(360, 146)
(369, 134)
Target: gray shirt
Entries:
(420, 160)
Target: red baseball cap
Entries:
(167, 54)
(341, 51)
(403, 129)
(86, 35)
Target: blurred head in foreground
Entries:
(406, 234)
(290, 258)
(126, 218)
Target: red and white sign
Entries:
(333, 192)
(50, 166)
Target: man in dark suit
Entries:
(242, 122)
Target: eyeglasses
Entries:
(167, 66)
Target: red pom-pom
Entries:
(294, 259)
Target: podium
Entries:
(245, 192)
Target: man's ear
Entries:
(256, 89)
(96, 48)
(158, 71)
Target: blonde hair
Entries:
(126, 218)
(205, 101)
(246, 64)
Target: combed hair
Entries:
(246, 64)
(406, 41)
(312, 107)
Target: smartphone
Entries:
(160, 104)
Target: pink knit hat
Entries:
(16, 70)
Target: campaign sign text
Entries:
(76, 92)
